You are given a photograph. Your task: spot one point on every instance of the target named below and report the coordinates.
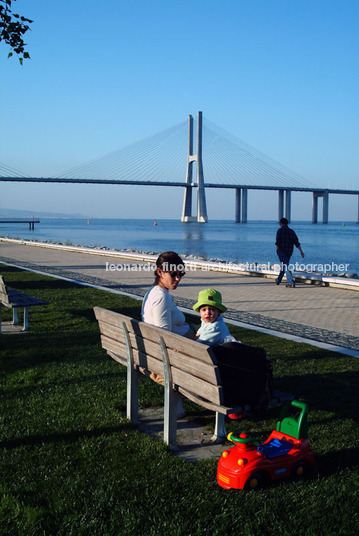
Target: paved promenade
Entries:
(327, 315)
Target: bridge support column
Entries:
(201, 196)
(237, 217)
(288, 204)
(187, 199)
(280, 204)
(244, 204)
(325, 206)
(187, 205)
(315, 208)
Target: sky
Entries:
(282, 75)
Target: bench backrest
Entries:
(4, 296)
(193, 365)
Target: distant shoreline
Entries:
(41, 215)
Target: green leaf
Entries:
(9, 55)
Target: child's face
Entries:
(209, 313)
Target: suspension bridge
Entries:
(217, 159)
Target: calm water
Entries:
(336, 243)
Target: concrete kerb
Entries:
(267, 331)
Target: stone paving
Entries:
(329, 315)
(193, 440)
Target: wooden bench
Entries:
(189, 368)
(14, 299)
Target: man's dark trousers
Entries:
(284, 263)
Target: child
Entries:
(213, 330)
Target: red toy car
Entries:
(285, 453)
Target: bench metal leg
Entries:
(14, 316)
(26, 319)
(171, 401)
(132, 380)
(220, 433)
(170, 416)
(132, 394)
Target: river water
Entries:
(334, 247)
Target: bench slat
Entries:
(209, 405)
(196, 385)
(204, 371)
(140, 359)
(186, 346)
(137, 342)
(199, 369)
(14, 298)
(181, 378)
(116, 357)
(123, 362)
(19, 299)
(151, 345)
(115, 319)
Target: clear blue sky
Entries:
(280, 74)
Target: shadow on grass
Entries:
(336, 392)
(51, 284)
(30, 350)
(132, 311)
(329, 463)
(27, 282)
(9, 394)
(68, 437)
(313, 353)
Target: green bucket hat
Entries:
(210, 297)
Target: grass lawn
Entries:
(72, 464)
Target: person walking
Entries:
(286, 239)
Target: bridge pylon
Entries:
(201, 196)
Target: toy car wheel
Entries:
(255, 481)
(299, 470)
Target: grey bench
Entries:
(14, 299)
(189, 368)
